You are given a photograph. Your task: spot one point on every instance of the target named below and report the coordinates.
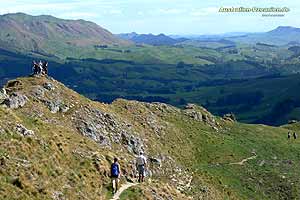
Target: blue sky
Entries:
(162, 16)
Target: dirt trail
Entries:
(122, 189)
(244, 160)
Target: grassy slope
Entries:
(59, 159)
(208, 154)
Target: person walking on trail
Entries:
(289, 135)
(115, 175)
(295, 135)
(141, 164)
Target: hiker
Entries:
(289, 135)
(40, 67)
(115, 175)
(141, 165)
(35, 68)
(295, 135)
(45, 68)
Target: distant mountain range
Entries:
(282, 35)
(42, 33)
(151, 39)
(209, 36)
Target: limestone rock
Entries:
(199, 113)
(15, 100)
(23, 131)
(134, 144)
(230, 117)
(56, 106)
(49, 86)
(3, 95)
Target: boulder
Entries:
(15, 100)
(91, 130)
(23, 131)
(38, 92)
(230, 117)
(3, 95)
(155, 161)
(199, 113)
(49, 86)
(14, 83)
(53, 106)
(134, 144)
(56, 106)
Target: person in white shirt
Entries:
(141, 164)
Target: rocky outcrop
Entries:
(105, 129)
(229, 117)
(3, 95)
(15, 100)
(49, 86)
(200, 114)
(23, 131)
(56, 106)
(133, 143)
(51, 100)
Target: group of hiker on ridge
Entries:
(141, 166)
(295, 136)
(40, 68)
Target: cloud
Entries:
(115, 12)
(204, 11)
(34, 6)
(171, 11)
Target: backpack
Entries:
(141, 160)
(115, 169)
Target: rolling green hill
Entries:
(210, 72)
(50, 36)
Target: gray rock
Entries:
(91, 130)
(57, 106)
(230, 117)
(49, 86)
(106, 129)
(58, 195)
(133, 143)
(64, 108)
(3, 95)
(38, 92)
(23, 131)
(155, 161)
(199, 113)
(15, 100)
(53, 106)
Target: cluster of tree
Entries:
(247, 98)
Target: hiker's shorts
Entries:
(141, 170)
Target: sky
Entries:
(179, 17)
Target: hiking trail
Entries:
(122, 189)
(244, 160)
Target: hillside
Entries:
(209, 71)
(212, 77)
(40, 34)
(56, 144)
(282, 35)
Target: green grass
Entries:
(133, 193)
